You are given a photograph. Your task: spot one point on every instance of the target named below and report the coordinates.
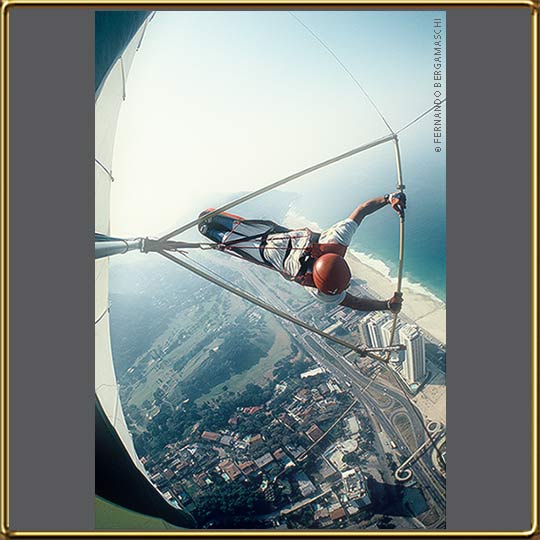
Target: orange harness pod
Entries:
(313, 252)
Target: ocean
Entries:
(330, 195)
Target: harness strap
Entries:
(262, 235)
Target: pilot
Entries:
(315, 260)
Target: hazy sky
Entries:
(230, 101)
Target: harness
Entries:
(309, 255)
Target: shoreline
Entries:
(419, 305)
(425, 310)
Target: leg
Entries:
(217, 227)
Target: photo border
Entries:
(8, 6)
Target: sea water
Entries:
(332, 194)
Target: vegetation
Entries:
(109, 516)
(171, 425)
(232, 506)
(237, 354)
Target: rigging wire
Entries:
(278, 183)
(401, 221)
(292, 177)
(220, 282)
(354, 79)
(304, 454)
(420, 116)
(400, 187)
(355, 401)
(282, 314)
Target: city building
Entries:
(356, 488)
(305, 484)
(336, 514)
(365, 339)
(247, 467)
(386, 332)
(210, 436)
(264, 460)
(371, 329)
(311, 372)
(314, 432)
(327, 472)
(255, 441)
(414, 365)
(226, 440)
(230, 469)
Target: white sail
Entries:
(109, 98)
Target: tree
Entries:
(231, 505)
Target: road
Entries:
(343, 370)
(433, 484)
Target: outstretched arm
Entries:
(397, 200)
(367, 208)
(370, 304)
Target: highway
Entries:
(433, 484)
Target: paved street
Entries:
(432, 483)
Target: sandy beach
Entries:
(419, 305)
(427, 311)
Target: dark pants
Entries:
(244, 237)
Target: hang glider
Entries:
(120, 476)
(174, 249)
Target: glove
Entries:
(394, 303)
(398, 201)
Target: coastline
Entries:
(425, 310)
(419, 305)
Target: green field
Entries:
(197, 343)
(260, 372)
(185, 339)
(109, 516)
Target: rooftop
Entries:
(210, 436)
(264, 460)
(337, 514)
